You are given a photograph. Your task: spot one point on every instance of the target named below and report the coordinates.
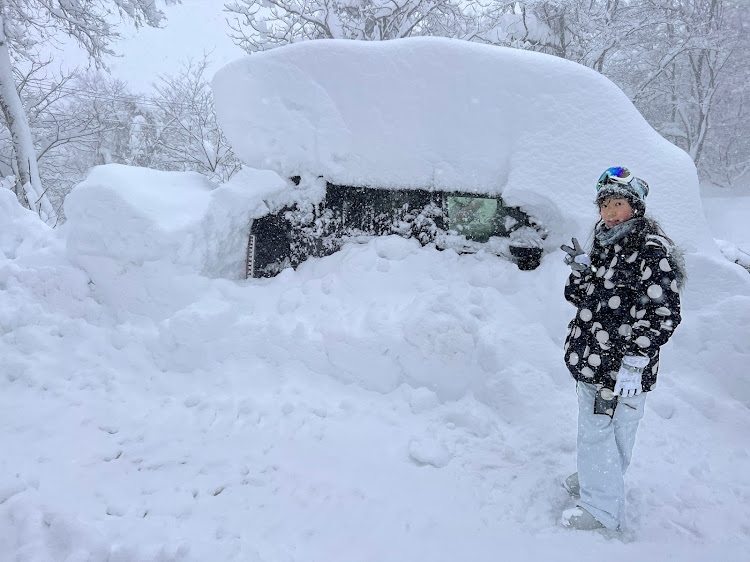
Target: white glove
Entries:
(583, 259)
(629, 377)
(576, 258)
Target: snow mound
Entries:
(450, 115)
(135, 215)
(21, 231)
(168, 226)
(340, 399)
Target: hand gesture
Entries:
(577, 259)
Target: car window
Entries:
(473, 217)
(458, 220)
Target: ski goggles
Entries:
(620, 175)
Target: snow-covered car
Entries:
(456, 144)
(464, 222)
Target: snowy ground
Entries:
(385, 403)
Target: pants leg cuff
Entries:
(603, 517)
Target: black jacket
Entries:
(628, 304)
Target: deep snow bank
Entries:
(131, 438)
(453, 115)
(140, 233)
(155, 426)
(135, 215)
(45, 302)
(20, 232)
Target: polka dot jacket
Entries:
(628, 304)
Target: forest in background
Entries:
(685, 64)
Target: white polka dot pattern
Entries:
(628, 303)
(654, 291)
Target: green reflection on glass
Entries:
(473, 217)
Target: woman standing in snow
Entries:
(626, 290)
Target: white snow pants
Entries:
(605, 447)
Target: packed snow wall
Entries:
(141, 234)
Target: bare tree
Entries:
(26, 23)
(84, 119)
(726, 152)
(190, 137)
(258, 25)
(692, 80)
(59, 123)
(670, 56)
(91, 125)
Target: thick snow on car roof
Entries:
(451, 115)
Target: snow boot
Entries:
(579, 519)
(572, 486)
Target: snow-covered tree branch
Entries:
(25, 24)
(258, 25)
(190, 138)
(672, 58)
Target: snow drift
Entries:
(165, 226)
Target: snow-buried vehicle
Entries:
(457, 144)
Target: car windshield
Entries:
(473, 217)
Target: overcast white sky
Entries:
(191, 28)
